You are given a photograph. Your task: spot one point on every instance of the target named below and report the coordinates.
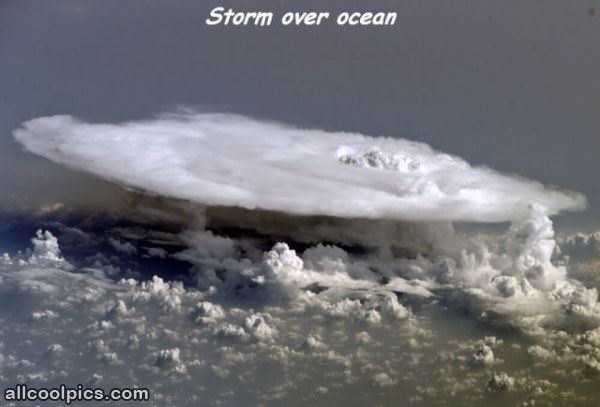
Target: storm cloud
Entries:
(229, 160)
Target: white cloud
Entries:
(501, 382)
(484, 355)
(221, 159)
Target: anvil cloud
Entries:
(230, 160)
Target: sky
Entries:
(270, 247)
(512, 86)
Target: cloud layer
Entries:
(228, 160)
(350, 344)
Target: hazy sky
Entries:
(513, 85)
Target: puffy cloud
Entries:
(170, 359)
(45, 250)
(55, 349)
(580, 246)
(257, 325)
(170, 338)
(207, 312)
(501, 382)
(539, 352)
(484, 355)
(118, 310)
(383, 379)
(222, 159)
(43, 315)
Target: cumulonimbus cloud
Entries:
(366, 277)
(230, 160)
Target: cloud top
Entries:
(230, 160)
